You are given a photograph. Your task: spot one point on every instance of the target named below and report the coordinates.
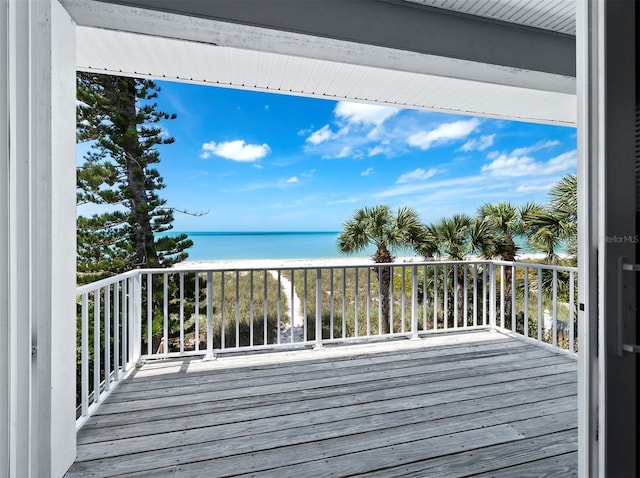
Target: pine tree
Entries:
(121, 120)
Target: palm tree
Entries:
(456, 238)
(548, 227)
(505, 219)
(380, 227)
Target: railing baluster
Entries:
(435, 298)
(414, 302)
(96, 346)
(84, 353)
(513, 299)
(107, 338)
(124, 345)
(279, 305)
(540, 314)
(502, 295)
(223, 330)
(251, 315)
(135, 314)
(526, 301)
(492, 295)
(196, 311)
(304, 312)
(368, 301)
(571, 312)
(165, 314)
(555, 307)
(403, 299)
(355, 307)
(265, 302)
(475, 295)
(425, 301)
(116, 330)
(391, 304)
(209, 314)
(344, 302)
(465, 297)
(150, 314)
(455, 296)
(238, 308)
(379, 274)
(181, 276)
(485, 286)
(331, 304)
(293, 306)
(318, 306)
(446, 296)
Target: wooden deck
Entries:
(468, 404)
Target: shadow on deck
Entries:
(466, 404)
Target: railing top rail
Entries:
(242, 266)
(93, 286)
(302, 265)
(536, 265)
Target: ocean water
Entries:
(210, 246)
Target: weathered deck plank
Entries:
(407, 409)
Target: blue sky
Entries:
(269, 162)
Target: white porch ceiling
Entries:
(553, 15)
(243, 56)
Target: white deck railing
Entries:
(156, 313)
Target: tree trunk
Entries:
(141, 230)
(382, 255)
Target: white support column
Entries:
(5, 351)
(587, 79)
(37, 231)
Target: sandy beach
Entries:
(248, 264)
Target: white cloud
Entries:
(514, 166)
(376, 150)
(344, 152)
(360, 113)
(236, 150)
(478, 144)
(536, 147)
(292, 179)
(419, 187)
(416, 175)
(325, 134)
(444, 133)
(366, 172)
(349, 200)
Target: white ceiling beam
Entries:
(383, 34)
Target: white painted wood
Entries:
(53, 232)
(20, 444)
(554, 15)
(5, 276)
(37, 217)
(382, 75)
(589, 78)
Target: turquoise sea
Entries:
(209, 246)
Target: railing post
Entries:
(209, 354)
(318, 344)
(414, 302)
(135, 319)
(492, 295)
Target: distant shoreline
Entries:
(345, 261)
